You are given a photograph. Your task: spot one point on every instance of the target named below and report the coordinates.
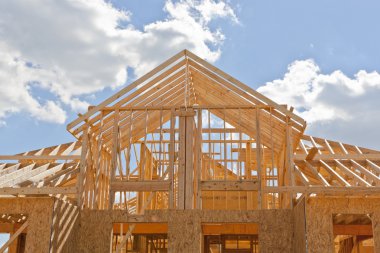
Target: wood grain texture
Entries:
(319, 225)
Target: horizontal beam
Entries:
(212, 185)
(143, 186)
(13, 237)
(301, 157)
(205, 130)
(8, 227)
(37, 190)
(352, 229)
(329, 190)
(39, 157)
(230, 228)
(142, 228)
(204, 107)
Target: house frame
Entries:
(182, 148)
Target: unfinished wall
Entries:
(184, 227)
(275, 226)
(65, 227)
(276, 231)
(184, 231)
(39, 211)
(95, 231)
(319, 227)
(299, 227)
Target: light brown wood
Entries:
(13, 237)
(147, 155)
(214, 185)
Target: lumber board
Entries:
(140, 186)
(46, 190)
(222, 185)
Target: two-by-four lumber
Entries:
(13, 237)
(140, 186)
(198, 150)
(246, 88)
(331, 190)
(83, 168)
(218, 185)
(258, 159)
(125, 90)
(356, 157)
(39, 157)
(46, 190)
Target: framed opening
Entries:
(140, 237)
(353, 233)
(230, 238)
(13, 231)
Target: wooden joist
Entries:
(356, 157)
(140, 186)
(331, 190)
(214, 185)
(37, 190)
(39, 157)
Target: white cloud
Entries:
(335, 106)
(15, 86)
(73, 48)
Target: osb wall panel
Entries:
(276, 231)
(95, 230)
(65, 227)
(319, 227)
(275, 226)
(299, 227)
(95, 226)
(39, 211)
(185, 227)
(184, 231)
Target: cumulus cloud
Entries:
(16, 79)
(72, 48)
(335, 105)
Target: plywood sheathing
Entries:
(275, 227)
(299, 242)
(319, 226)
(39, 212)
(185, 231)
(52, 223)
(184, 227)
(95, 231)
(65, 227)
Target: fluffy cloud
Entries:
(335, 106)
(72, 48)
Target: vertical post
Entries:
(289, 159)
(98, 163)
(198, 149)
(115, 150)
(171, 158)
(189, 166)
(186, 159)
(224, 146)
(258, 157)
(129, 144)
(248, 171)
(83, 166)
(181, 159)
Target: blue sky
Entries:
(322, 57)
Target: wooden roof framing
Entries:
(334, 163)
(185, 80)
(45, 171)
